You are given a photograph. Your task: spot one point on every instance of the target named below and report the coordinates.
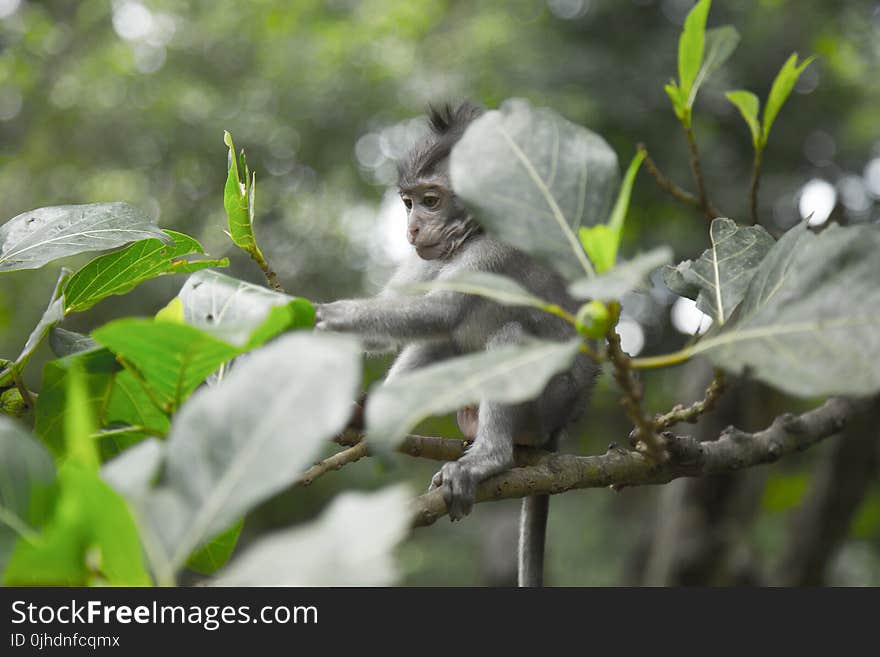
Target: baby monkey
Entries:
(438, 325)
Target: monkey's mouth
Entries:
(423, 249)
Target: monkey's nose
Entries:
(413, 234)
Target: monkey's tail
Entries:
(532, 532)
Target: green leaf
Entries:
(216, 552)
(499, 288)
(122, 271)
(233, 445)
(351, 544)
(779, 92)
(241, 313)
(690, 47)
(79, 423)
(96, 366)
(748, 105)
(114, 397)
(90, 539)
(26, 472)
(172, 359)
(65, 343)
(507, 374)
(625, 277)
(808, 322)
(33, 238)
(679, 102)
(602, 241)
(53, 314)
(238, 200)
(171, 312)
(533, 179)
(720, 44)
(721, 275)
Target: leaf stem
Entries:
(753, 192)
(665, 360)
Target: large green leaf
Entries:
(241, 313)
(533, 179)
(779, 92)
(235, 444)
(90, 539)
(601, 241)
(808, 322)
(53, 314)
(351, 544)
(114, 396)
(33, 238)
(613, 284)
(171, 358)
(507, 374)
(719, 278)
(26, 472)
(122, 271)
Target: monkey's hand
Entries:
(459, 485)
(338, 316)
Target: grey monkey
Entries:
(437, 325)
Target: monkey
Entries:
(436, 325)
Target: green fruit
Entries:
(593, 319)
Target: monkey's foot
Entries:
(459, 487)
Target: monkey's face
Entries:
(437, 224)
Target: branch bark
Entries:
(734, 450)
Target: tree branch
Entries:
(734, 450)
(335, 462)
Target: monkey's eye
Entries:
(431, 202)
(408, 203)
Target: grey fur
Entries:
(441, 324)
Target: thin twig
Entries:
(335, 462)
(427, 447)
(27, 396)
(709, 211)
(632, 395)
(268, 272)
(680, 413)
(665, 183)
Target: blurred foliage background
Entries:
(128, 100)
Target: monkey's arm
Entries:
(431, 316)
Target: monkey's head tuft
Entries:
(447, 125)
